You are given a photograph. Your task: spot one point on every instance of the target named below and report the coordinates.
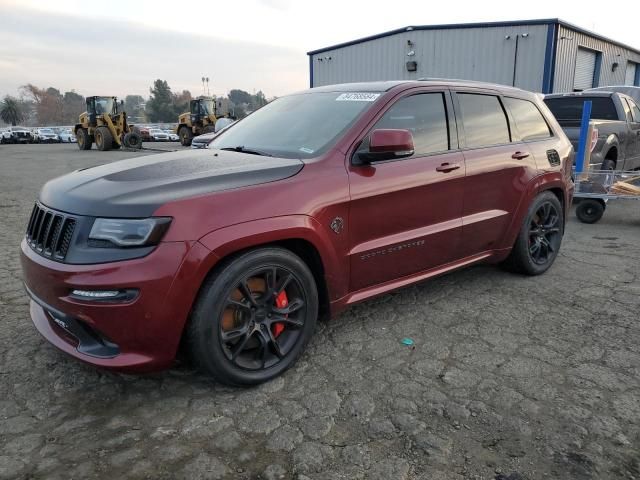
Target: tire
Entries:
(262, 352)
(104, 139)
(208, 129)
(132, 140)
(530, 254)
(186, 136)
(608, 164)
(590, 210)
(84, 139)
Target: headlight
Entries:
(130, 232)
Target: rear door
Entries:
(498, 169)
(405, 215)
(529, 126)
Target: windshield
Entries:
(570, 108)
(46, 131)
(206, 107)
(104, 105)
(297, 126)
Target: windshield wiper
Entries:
(250, 151)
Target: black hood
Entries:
(137, 187)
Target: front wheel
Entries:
(253, 317)
(186, 136)
(540, 236)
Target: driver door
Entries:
(406, 214)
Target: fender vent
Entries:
(553, 157)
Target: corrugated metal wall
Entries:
(482, 53)
(568, 42)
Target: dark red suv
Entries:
(317, 201)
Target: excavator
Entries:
(105, 123)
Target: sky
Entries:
(119, 47)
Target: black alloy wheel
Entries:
(263, 318)
(254, 316)
(544, 234)
(540, 236)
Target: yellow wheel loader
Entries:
(105, 123)
(200, 119)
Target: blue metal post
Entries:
(583, 140)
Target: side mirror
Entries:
(387, 144)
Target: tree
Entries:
(259, 100)
(134, 105)
(48, 103)
(160, 106)
(73, 105)
(181, 102)
(240, 97)
(10, 110)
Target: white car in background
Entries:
(173, 137)
(67, 136)
(158, 135)
(5, 136)
(47, 135)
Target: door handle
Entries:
(520, 155)
(447, 167)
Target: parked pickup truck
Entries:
(617, 118)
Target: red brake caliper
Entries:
(281, 302)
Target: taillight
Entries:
(594, 139)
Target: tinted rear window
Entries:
(570, 108)
(485, 122)
(529, 121)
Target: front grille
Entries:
(49, 232)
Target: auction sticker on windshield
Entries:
(357, 97)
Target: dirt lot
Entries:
(510, 377)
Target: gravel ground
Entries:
(509, 377)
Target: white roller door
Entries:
(630, 74)
(585, 68)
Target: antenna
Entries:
(208, 93)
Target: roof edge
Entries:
(510, 23)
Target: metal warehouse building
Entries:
(538, 55)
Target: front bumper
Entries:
(138, 335)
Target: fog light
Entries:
(126, 295)
(96, 293)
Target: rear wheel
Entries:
(590, 210)
(186, 135)
(608, 164)
(540, 236)
(104, 139)
(84, 139)
(254, 317)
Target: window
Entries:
(485, 122)
(529, 121)
(635, 111)
(570, 108)
(424, 115)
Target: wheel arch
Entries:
(301, 234)
(552, 182)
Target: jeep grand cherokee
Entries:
(317, 201)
